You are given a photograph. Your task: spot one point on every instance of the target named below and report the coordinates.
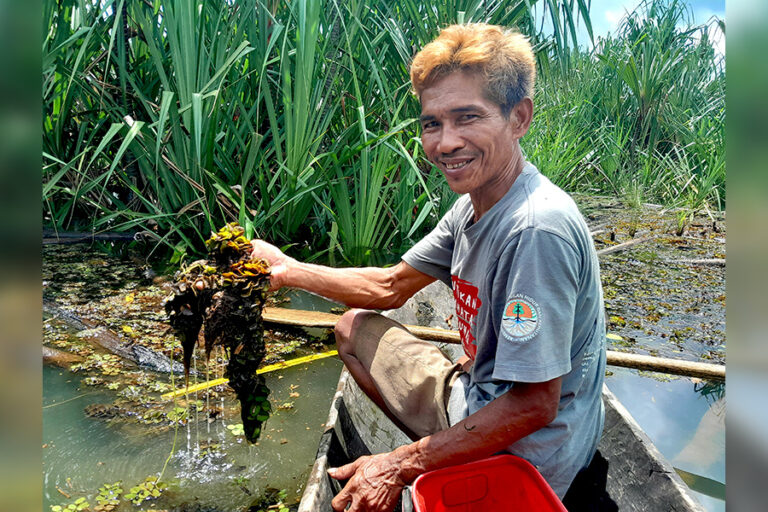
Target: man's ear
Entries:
(520, 117)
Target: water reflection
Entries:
(713, 391)
(685, 419)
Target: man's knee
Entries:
(345, 330)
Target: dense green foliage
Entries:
(296, 119)
(641, 117)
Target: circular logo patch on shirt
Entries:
(521, 318)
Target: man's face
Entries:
(465, 135)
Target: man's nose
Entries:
(450, 140)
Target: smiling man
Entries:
(524, 273)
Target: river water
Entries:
(81, 453)
(686, 422)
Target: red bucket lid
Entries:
(500, 483)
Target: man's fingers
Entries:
(339, 503)
(344, 472)
(255, 251)
(255, 248)
(262, 249)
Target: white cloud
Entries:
(613, 17)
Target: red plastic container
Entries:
(498, 484)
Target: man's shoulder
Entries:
(545, 197)
(459, 212)
(550, 208)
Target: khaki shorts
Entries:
(412, 375)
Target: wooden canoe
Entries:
(639, 477)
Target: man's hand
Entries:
(466, 363)
(278, 262)
(374, 484)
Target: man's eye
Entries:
(469, 117)
(428, 125)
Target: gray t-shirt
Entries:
(529, 304)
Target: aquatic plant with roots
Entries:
(224, 296)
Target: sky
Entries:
(606, 15)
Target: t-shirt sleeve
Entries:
(433, 253)
(534, 343)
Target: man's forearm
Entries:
(356, 287)
(368, 287)
(521, 411)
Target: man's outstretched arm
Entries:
(368, 287)
(375, 482)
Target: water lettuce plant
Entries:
(224, 296)
(147, 490)
(108, 498)
(76, 506)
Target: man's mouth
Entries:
(457, 165)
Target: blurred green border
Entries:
(747, 148)
(747, 197)
(20, 235)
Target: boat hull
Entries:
(639, 478)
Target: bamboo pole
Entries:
(301, 318)
(666, 365)
(72, 237)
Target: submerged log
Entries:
(98, 335)
(60, 358)
(713, 262)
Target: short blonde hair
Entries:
(503, 56)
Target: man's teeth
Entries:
(456, 166)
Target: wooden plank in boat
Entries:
(300, 318)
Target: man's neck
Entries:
(482, 201)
